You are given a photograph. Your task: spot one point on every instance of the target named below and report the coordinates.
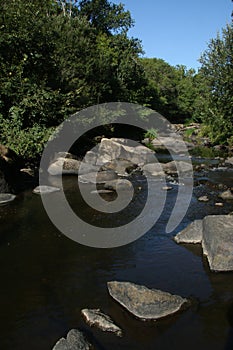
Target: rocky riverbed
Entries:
(212, 194)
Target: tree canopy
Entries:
(60, 56)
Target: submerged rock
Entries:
(217, 241)
(96, 318)
(45, 189)
(145, 303)
(191, 234)
(75, 340)
(6, 198)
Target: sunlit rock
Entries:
(145, 303)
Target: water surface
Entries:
(46, 279)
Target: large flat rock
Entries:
(217, 241)
(191, 234)
(145, 303)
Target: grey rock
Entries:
(154, 169)
(121, 166)
(219, 204)
(203, 199)
(75, 340)
(64, 166)
(118, 185)
(171, 168)
(45, 189)
(110, 149)
(101, 178)
(86, 168)
(90, 157)
(97, 318)
(191, 234)
(6, 198)
(217, 241)
(144, 303)
(61, 345)
(226, 195)
(173, 141)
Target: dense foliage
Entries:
(57, 57)
(174, 89)
(216, 79)
(60, 56)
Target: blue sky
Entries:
(177, 31)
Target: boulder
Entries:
(191, 234)
(75, 340)
(101, 178)
(97, 318)
(110, 149)
(154, 169)
(217, 241)
(144, 303)
(6, 198)
(64, 166)
(45, 189)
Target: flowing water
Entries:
(46, 279)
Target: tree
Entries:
(217, 71)
(173, 89)
(106, 16)
(60, 56)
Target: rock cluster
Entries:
(215, 233)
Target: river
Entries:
(46, 279)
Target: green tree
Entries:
(60, 56)
(217, 72)
(106, 16)
(173, 89)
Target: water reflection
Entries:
(46, 279)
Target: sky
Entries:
(177, 31)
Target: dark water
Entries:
(46, 279)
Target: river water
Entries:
(46, 279)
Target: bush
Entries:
(28, 143)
